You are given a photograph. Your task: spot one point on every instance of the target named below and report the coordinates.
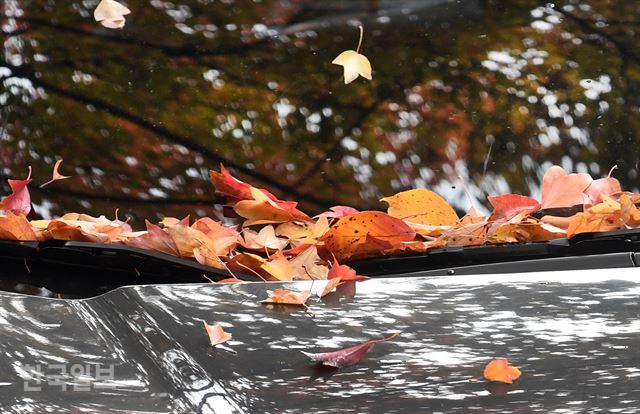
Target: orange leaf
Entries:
(217, 335)
(499, 370)
(473, 234)
(56, 175)
(230, 280)
(352, 235)
(264, 239)
(343, 272)
(278, 267)
(16, 227)
(284, 296)
(421, 206)
(630, 213)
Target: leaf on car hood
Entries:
(500, 370)
(346, 356)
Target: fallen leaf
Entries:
(500, 370)
(264, 239)
(344, 272)
(230, 280)
(525, 231)
(347, 356)
(56, 175)
(330, 286)
(421, 206)
(507, 206)
(473, 234)
(110, 14)
(20, 200)
(155, 239)
(356, 235)
(308, 265)
(278, 267)
(560, 189)
(217, 335)
(602, 187)
(339, 212)
(604, 216)
(630, 213)
(263, 210)
(223, 239)
(282, 296)
(16, 227)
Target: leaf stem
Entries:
(361, 36)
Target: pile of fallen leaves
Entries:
(276, 241)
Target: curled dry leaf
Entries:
(110, 14)
(421, 206)
(16, 227)
(282, 296)
(308, 265)
(605, 216)
(500, 370)
(56, 175)
(525, 231)
(366, 233)
(155, 239)
(217, 335)
(347, 356)
(19, 201)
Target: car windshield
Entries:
(483, 95)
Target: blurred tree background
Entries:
(492, 91)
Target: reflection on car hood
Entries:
(143, 349)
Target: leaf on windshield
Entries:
(217, 335)
(346, 356)
(339, 212)
(354, 63)
(264, 239)
(499, 370)
(16, 227)
(56, 175)
(602, 187)
(421, 206)
(110, 14)
(330, 286)
(308, 265)
(366, 233)
(282, 296)
(20, 200)
(605, 216)
(560, 189)
(506, 207)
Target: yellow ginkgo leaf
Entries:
(111, 14)
(354, 63)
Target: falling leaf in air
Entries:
(56, 175)
(217, 335)
(282, 296)
(110, 14)
(421, 206)
(347, 356)
(500, 370)
(354, 63)
(20, 200)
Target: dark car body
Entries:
(143, 349)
